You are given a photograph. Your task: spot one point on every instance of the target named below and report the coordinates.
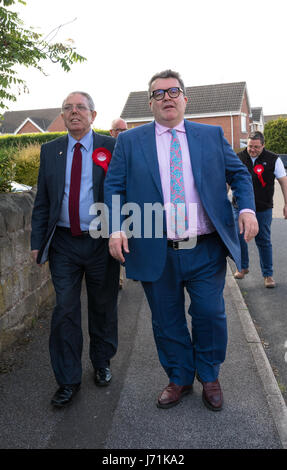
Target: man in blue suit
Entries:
(70, 181)
(155, 167)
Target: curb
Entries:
(274, 397)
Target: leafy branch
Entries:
(20, 45)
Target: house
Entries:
(272, 117)
(226, 105)
(257, 120)
(32, 121)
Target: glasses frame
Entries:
(79, 107)
(255, 147)
(166, 91)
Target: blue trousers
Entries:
(262, 240)
(201, 272)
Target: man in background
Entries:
(119, 125)
(264, 166)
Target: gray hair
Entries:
(167, 74)
(86, 95)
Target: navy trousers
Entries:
(201, 273)
(70, 259)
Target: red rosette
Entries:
(102, 157)
(258, 170)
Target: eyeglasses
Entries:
(254, 147)
(172, 92)
(79, 107)
(119, 130)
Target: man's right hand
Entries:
(117, 244)
(35, 254)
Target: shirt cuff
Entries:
(117, 234)
(247, 210)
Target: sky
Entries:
(127, 41)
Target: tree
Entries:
(275, 135)
(22, 46)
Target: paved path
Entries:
(267, 307)
(124, 415)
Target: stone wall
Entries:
(26, 289)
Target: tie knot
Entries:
(77, 146)
(173, 133)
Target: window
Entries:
(243, 123)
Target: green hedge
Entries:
(275, 134)
(27, 161)
(10, 141)
(25, 171)
(6, 170)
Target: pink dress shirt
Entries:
(199, 222)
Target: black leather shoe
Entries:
(103, 376)
(64, 395)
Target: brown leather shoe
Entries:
(269, 282)
(172, 395)
(240, 274)
(212, 395)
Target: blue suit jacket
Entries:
(50, 190)
(134, 176)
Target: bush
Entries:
(22, 140)
(275, 134)
(6, 170)
(27, 161)
(9, 141)
(20, 157)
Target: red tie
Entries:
(74, 195)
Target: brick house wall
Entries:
(57, 125)
(228, 123)
(224, 121)
(136, 124)
(28, 128)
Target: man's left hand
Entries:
(248, 225)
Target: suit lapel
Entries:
(149, 145)
(97, 170)
(61, 160)
(195, 152)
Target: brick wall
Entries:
(135, 124)
(28, 128)
(57, 125)
(223, 121)
(26, 290)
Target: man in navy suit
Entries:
(142, 172)
(70, 181)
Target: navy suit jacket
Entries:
(50, 191)
(134, 176)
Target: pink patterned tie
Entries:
(177, 195)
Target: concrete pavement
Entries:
(124, 415)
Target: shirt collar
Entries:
(160, 129)
(86, 141)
